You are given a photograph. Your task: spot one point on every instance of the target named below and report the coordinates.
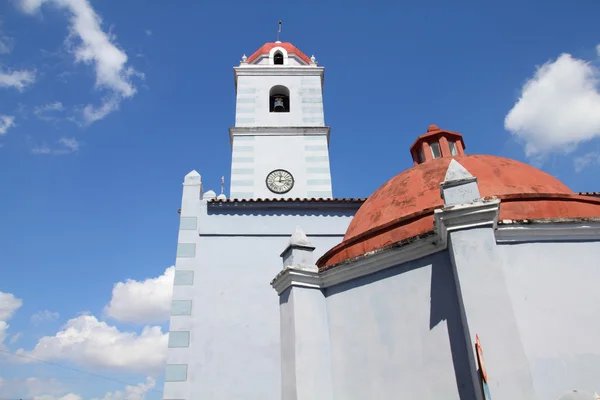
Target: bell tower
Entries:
(280, 144)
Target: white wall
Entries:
(305, 157)
(397, 334)
(234, 349)
(555, 290)
(306, 100)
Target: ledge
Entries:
(480, 214)
(548, 230)
(289, 203)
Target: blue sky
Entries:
(100, 121)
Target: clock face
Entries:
(280, 181)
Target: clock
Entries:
(280, 181)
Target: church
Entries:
(463, 277)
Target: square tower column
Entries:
(305, 348)
(280, 144)
(467, 222)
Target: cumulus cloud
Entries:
(8, 305)
(586, 160)
(64, 146)
(17, 79)
(87, 341)
(43, 316)
(6, 43)
(91, 45)
(6, 122)
(70, 396)
(54, 389)
(559, 107)
(48, 112)
(15, 338)
(137, 392)
(147, 301)
(92, 113)
(39, 388)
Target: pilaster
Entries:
(305, 347)
(468, 222)
(178, 376)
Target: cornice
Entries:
(548, 230)
(270, 70)
(260, 70)
(478, 214)
(292, 276)
(365, 265)
(279, 131)
(483, 213)
(315, 204)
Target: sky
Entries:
(106, 105)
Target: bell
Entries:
(278, 105)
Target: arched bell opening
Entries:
(279, 99)
(278, 58)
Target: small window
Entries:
(421, 156)
(452, 145)
(435, 149)
(278, 58)
(279, 99)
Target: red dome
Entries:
(290, 48)
(403, 207)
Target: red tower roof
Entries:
(403, 207)
(290, 48)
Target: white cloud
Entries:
(48, 112)
(70, 396)
(137, 392)
(31, 6)
(65, 146)
(43, 316)
(559, 107)
(15, 338)
(148, 301)
(38, 389)
(6, 44)
(92, 113)
(17, 79)
(6, 122)
(148, 32)
(586, 160)
(8, 305)
(86, 341)
(54, 389)
(97, 48)
(70, 143)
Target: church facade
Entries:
(224, 338)
(464, 277)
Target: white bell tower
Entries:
(280, 144)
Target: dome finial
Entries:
(433, 127)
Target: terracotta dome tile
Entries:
(403, 207)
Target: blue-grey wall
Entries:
(555, 290)
(397, 334)
(232, 313)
